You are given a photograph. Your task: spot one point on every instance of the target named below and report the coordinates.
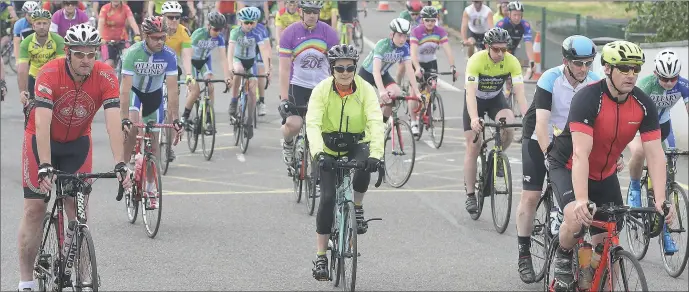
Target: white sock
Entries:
(26, 285)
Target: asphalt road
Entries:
(232, 223)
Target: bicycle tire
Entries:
(311, 193)
(335, 268)
(480, 186)
(296, 170)
(237, 130)
(12, 62)
(501, 225)
(152, 230)
(131, 203)
(351, 253)
(209, 113)
(540, 234)
(644, 221)
(85, 237)
(399, 124)
(358, 37)
(677, 203)
(45, 281)
(192, 130)
(244, 143)
(548, 279)
(166, 144)
(437, 102)
(620, 254)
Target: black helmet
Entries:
(496, 35)
(216, 19)
(578, 47)
(343, 51)
(429, 12)
(515, 6)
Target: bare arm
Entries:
(581, 148)
(472, 110)
(655, 159)
(125, 90)
(113, 125)
(224, 62)
(490, 19)
(529, 51)
(230, 52)
(151, 8)
(172, 96)
(23, 76)
(521, 97)
(409, 71)
(465, 25)
(285, 64)
(415, 55)
(132, 23)
(186, 59)
(377, 77)
(17, 40)
(542, 132)
(101, 25)
(448, 53)
(264, 49)
(44, 117)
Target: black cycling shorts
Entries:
(533, 166)
(387, 78)
(490, 106)
(114, 51)
(30, 85)
(479, 39)
(347, 11)
(299, 96)
(665, 130)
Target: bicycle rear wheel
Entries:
(400, 153)
(208, 120)
(166, 144)
(86, 269)
(540, 236)
(501, 196)
(350, 253)
(674, 264)
(152, 203)
(436, 120)
(131, 201)
(638, 226)
(628, 267)
(48, 259)
(194, 127)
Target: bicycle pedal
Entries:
(373, 219)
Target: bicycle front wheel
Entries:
(480, 187)
(540, 236)
(628, 274)
(675, 263)
(349, 251)
(86, 269)
(639, 226)
(501, 196)
(166, 145)
(131, 201)
(152, 199)
(193, 128)
(297, 167)
(436, 120)
(208, 130)
(400, 153)
(358, 37)
(244, 143)
(48, 259)
(310, 183)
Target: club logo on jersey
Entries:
(152, 69)
(665, 100)
(108, 75)
(392, 57)
(246, 42)
(207, 44)
(45, 89)
(312, 61)
(72, 110)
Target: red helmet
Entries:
(153, 24)
(414, 5)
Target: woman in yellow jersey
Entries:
(501, 12)
(178, 37)
(329, 13)
(286, 16)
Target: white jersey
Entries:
(478, 20)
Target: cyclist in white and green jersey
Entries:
(203, 41)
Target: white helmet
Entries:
(171, 7)
(29, 6)
(82, 35)
(667, 64)
(400, 25)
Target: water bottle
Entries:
(68, 247)
(585, 272)
(556, 217)
(595, 257)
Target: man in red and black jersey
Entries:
(68, 93)
(603, 118)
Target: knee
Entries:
(530, 198)
(34, 211)
(637, 152)
(361, 181)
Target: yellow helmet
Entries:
(622, 52)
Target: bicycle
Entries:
(343, 235)
(202, 120)
(393, 138)
(8, 57)
(489, 174)
(546, 226)
(238, 120)
(120, 46)
(151, 200)
(301, 171)
(165, 137)
(433, 104)
(57, 255)
(597, 275)
(357, 32)
(641, 229)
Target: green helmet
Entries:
(41, 14)
(622, 53)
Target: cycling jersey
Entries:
(308, 51)
(74, 105)
(203, 44)
(180, 40)
(115, 18)
(330, 113)
(407, 15)
(283, 18)
(664, 99)
(22, 28)
(31, 51)
(245, 42)
(226, 7)
(4, 12)
(498, 16)
(553, 93)
(53, 8)
(148, 69)
(327, 10)
(516, 31)
(612, 126)
(158, 6)
(60, 23)
(428, 42)
(478, 20)
(388, 53)
(491, 76)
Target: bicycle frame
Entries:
(671, 167)
(393, 118)
(147, 140)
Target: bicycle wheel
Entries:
(12, 60)
(166, 145)
(674, 264)
(193, 129)
(540, 235)
(244, 143)
(358, 37)
(86, 269)
(480, 187)
(335, 268)
(627, 269)
(436, 120)
(398, 153)
(501, 218)
(131, 201)
(350, 253)
(48, 261)
(549, 272)
(152, 209)
(297, 171)
(310, 183)
(638, 226)
(208, 120)
(238, 129)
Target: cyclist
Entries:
(412, 13)
(519, 29)
(486, 73)
(178, 38)
(67, 17)
(665, 88)
(286, 16)
(303, 52)
(348, 11)
(59, 134)
(203, 42)
(385, 54)
(112, 23)
(3, 83)
(548, 111)
(138, 9)
(478, 18)
(7, 16)
(227, 8)
(329, 13)
(147, 66)
(502, 11)
(54, 6)
(342, 98)
(426, 39)
(243, 41)
(583, 169)
(262, 6)
(155, 7)
(24, 27)
(188, 12)
(36, 50)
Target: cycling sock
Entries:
(524, 246)
(261, 99)
(385, 119)
(235, 99)
(358, 205)
(26, 285)
(186, 113)
(470, 194)
(635, 184)
(320, 253)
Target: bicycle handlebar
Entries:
(82, 176)
(207, 81)
(498, 125)
(353, 164)
(677, 152)
(249, 75)
(155, 125)
(612, 210)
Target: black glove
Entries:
(286, 109)
(123, 170)
(44, 170)
(326, 162)
(178, 125)
(372, 164)
(126, 124)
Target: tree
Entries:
(668, 19)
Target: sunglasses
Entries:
(498, 50)
(159, 38)
(430, 20)
(668, 80)
(174, 17)
(249, 22)
(81, 55)
(311, 11)
(627, 69)
(582, 63)
(70, 3)
(342, 69)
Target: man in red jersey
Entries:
(69, 91)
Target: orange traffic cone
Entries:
(537, 57)
(384, 6)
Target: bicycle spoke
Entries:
(675, 263)
(86, 269)
(400, 152)
(501, 197)
(152, 198)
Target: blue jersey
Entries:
(148, 69)
(22, 28)
(662, 98)
(203, 44)
(517, 32)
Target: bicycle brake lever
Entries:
(47, 197)
(381, 175)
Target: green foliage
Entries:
(668, 19)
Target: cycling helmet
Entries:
(414, 5)
(30, 6)
(82, 35)
(667, 64)
(496, 35)
(153, 24)
(249, 14)
(622, 52)
(311, 4)
(400, 25)
(216, 19)
(429, 12)
(343, 51)
(515, 6)
(171, 7)
(41, 14)
(578, 47)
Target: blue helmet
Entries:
(578, 47)
(249, 14)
